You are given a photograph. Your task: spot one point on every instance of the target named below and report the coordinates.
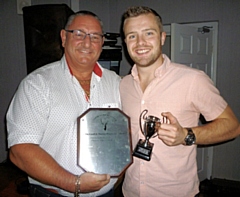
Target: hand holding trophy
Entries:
(144, 148)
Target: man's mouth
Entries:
(142, 51)
(85, 51)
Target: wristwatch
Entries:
(190, 139)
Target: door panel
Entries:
(192, 48)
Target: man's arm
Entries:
(39, 165)
(223, 128)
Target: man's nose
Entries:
(87, 40)
(141, 40)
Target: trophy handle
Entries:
(142, 115)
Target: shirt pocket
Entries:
(156, 108)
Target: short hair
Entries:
(139, 10)
(83, 13)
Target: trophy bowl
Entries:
(143, 149)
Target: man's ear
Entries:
(163, 37)
(63, 35)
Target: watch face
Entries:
(190, 138)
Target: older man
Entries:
(42, 117)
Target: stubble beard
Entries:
(147, 61)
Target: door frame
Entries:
(214, 28)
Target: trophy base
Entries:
(143, 152)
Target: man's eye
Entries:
(95, 37)
(79, 34)
(149, 33)
(130, 37)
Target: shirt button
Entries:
(141, 182)
(143, 101)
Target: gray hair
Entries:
(83, 13)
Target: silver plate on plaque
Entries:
(104, 141)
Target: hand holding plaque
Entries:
(144, 147)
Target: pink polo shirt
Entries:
(186, 93)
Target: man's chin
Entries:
(143, 63)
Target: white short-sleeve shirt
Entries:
(45, 109)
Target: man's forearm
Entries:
(38, 164)
(224, 128)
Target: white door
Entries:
(191, 47)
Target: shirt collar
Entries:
(160, 71)
(97, 70)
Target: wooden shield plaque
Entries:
(104, 141)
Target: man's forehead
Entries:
(86, 21)
(139, 23)
(150, 18)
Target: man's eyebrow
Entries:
(149, 29)
(144, 30)
(131, 32)
(94, 32)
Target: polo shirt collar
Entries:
(160, 71)
(97, 70)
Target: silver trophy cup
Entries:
(144, 147)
